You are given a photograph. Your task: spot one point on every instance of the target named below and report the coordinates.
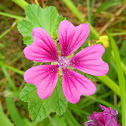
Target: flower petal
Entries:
(90, 123)
(89, 61)
(44, 77)
(71, 37)
(75, 85)
(43, 48)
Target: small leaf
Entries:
(47, 19)
(34, 14)
(40, 109)
(25, 28)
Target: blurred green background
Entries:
(103, 15)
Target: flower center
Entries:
(63, 62)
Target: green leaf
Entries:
(25, 28)
(28, 40)
(58, 100)
(36, 108)
(40, 109)
(47, 19)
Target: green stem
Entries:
(74, 9)
(120, 77)
(12, 68)
(11, 16)
(120, 33)
(94, 33)
(104, 103)
(89, 102)
(92, 6)
(12, 85)
(21, 3)
(36, 1)
(8, 30)
(110, 83)
(74, 108)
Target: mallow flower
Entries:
(105, 118)
(88, 60)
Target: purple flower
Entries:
(88, 60)
(105, 118)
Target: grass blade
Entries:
(110, 83)
(4, 121)
(70, 119)
(18, 121)
(11, 16)
(11, 83)
(21, 3)
(104, 103)
(120, 77)
(12, 68)
(74, 9)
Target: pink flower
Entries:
(105, 118)
(88, 60)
